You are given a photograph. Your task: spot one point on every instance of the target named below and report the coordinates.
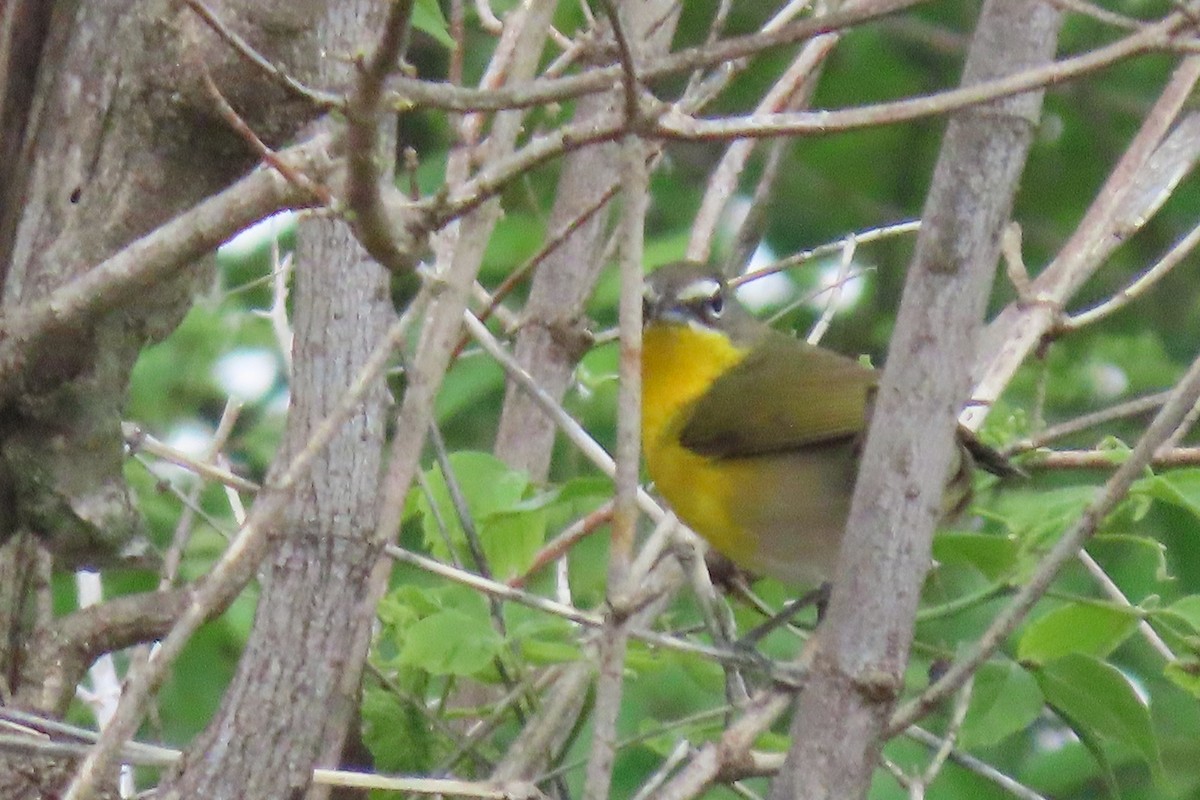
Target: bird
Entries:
(753, 436)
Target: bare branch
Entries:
(1108, 460)
(792, 90)
(61, 655)
(1138, 286)
(629, 403)
(1129, 408)
(138, 439)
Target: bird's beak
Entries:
(650, 304)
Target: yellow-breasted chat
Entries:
(752, 436)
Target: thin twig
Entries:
(555, 240)
(861, 237)
(613, 640)
(674, 124)
(417, 93)
(277, 314)
(1097, 13)
(155, 756)
(138, 440)
(569, 613)
(1129, 408)
(1114, 593)
(980, 768)
(788, 92)
(683, 748)
(320, 99)
(1138, 287)
(268, 156)
(557, 548)
(1110, 459)
(105, 690)
(1119, 208)
(714, 757)
(962, 702)
(835, 292)
(579, 437)
(629, 75)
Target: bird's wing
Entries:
(785, 394)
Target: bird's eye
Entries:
(713, 306)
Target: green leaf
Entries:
(1186, 610)
(541, 638)
(510, 541)
(450, 642)
(1143, 556)
(1088, 628)
(399, 739)
(1179, 487)
(405, 605)
(1185, 673)
(1180, 621)
(1101, 705)
(1005, 699)
(994, 556)
(427, 16)
(585, 487)
(510, 527)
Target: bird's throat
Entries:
(679, 364)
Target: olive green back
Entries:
(784, 395)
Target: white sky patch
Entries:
(1108, 380)
(279, 402)
(247, 374)
(769, 290)
(191, 437)
(258, 235)
(1052, 737)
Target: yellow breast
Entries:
(679, 363)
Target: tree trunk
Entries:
(271, 723)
